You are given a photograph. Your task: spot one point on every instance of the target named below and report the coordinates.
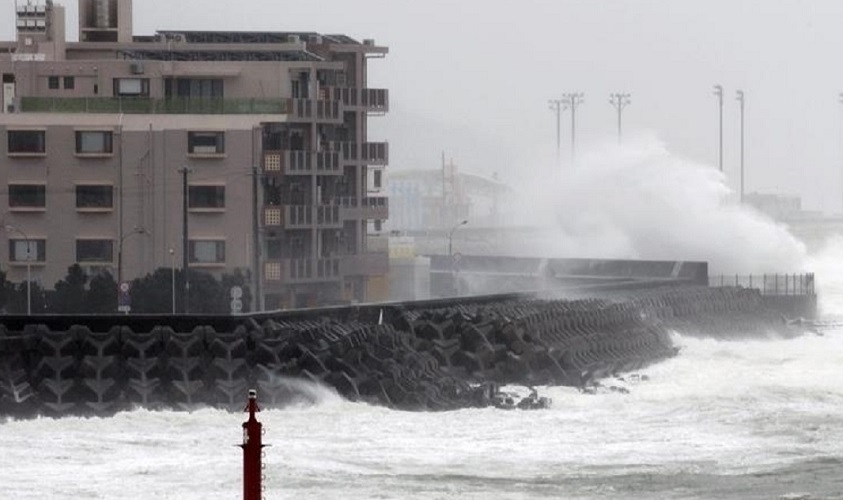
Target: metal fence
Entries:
(768, 284)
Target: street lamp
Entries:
(28, 267)
(718, 92)
(451, 237)
(135, 230)
(451, 255)
(173, 276)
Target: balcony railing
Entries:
(318, 110)
(367, 153)
(302, 216)
(370, 100)
(293, 271)
(302, 163)
(139, 105)
(367, 209)
(366, 264)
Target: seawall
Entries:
(431, 355)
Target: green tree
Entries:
(69, 296)
(102, 294)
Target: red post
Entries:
(252, 449)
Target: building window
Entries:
(27, 250)
(378, 178)
(27, 196)
(94, 250)
(69, 83)
(378, 225)
(131, 87)
(94, 142)
(203, 143)
(204, 197)
(53, 82)
(94, 197)
(193, 88)
(27, 141)
(207, 252)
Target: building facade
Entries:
(265, 133)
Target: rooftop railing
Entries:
(138, 105)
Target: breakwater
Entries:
(425, 355)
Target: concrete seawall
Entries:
(421, 355)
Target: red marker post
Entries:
(252, 449)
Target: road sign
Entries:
(236, 292)
(124, 297)
(236, 306)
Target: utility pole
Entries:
(742, 100)
(557, 105)
(718, 91)
(620, 101)
(572, 101)
(257, 268)
(185, 241)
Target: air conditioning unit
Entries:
(136, 68)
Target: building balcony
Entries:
(309, 110)
(302, 216)
(367, 153)
(301, 271)
(145, 106)
(366, 209)
(357, 99)
(367, 264)
(302, 163)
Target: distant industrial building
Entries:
(430, 199)
(268, 129)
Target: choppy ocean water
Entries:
(723, 420)
(742, 420)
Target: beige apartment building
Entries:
(265, 131)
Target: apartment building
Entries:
(265, 132)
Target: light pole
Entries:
(185, 243)
(451, 237)
(135, 230)
(451, 255)
(742, 100)
(840, 97)
(557, 105)
(28, 266)
(718, 92)
(173, 276)
(572, 101)
(620, 101)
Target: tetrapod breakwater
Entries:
(434, 355)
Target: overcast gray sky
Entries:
(472, 77)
